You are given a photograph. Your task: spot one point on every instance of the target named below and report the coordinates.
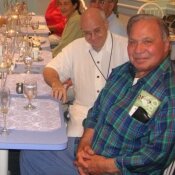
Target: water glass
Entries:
(30, 92)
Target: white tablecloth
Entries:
(42, 88)
(44, 118)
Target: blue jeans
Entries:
(49, 162)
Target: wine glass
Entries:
(35, 26)
(7, 54)
(30, 92)
(4, 106)
(24, 49)
(19, 40)
(29, 17)
(28, 60)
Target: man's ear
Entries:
(107, 24)
(167, 45)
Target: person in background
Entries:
(88, 61)
(71, 10)
(55, 22)
(54, 19)
(110, 8)
(130, 130)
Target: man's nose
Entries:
(93, 35)
(139, 48)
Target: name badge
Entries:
(146, 101)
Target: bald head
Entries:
(93, 15)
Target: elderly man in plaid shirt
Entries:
(131, 127)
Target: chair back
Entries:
(151, 8)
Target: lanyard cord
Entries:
(109, 61)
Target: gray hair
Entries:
(162, 25)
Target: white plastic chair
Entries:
(151, 8)
(170, 170)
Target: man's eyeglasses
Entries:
(95, 32)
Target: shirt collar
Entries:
(111, 17)
(154, 75)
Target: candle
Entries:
(14, 17)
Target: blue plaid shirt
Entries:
(138, 148)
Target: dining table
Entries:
(43, 128)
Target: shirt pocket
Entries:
(128, 132)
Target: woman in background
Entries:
(54, 19)
(55, 22)
(71, 10)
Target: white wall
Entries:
(38, 6)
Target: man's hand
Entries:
(52, 79)
(84, 151)
(88, 162)
(82, 155)
(98, 165)
(59, 91)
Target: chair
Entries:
(151, 8)
(170, 170)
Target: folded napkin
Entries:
(42, 27)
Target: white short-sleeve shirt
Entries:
(75, 62)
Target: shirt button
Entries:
(98, 76)
(98, 62)
(98, 91)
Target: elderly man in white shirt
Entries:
(88, 62)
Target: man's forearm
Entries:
(86, 139)
(88, 161)
(51, 76)
(84, 151)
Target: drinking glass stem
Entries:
(27, 29)
(5, 122)
(10, 69)
(20, 58)
(29, 104)
(35, 34)
(2, 79)
(28, 69)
